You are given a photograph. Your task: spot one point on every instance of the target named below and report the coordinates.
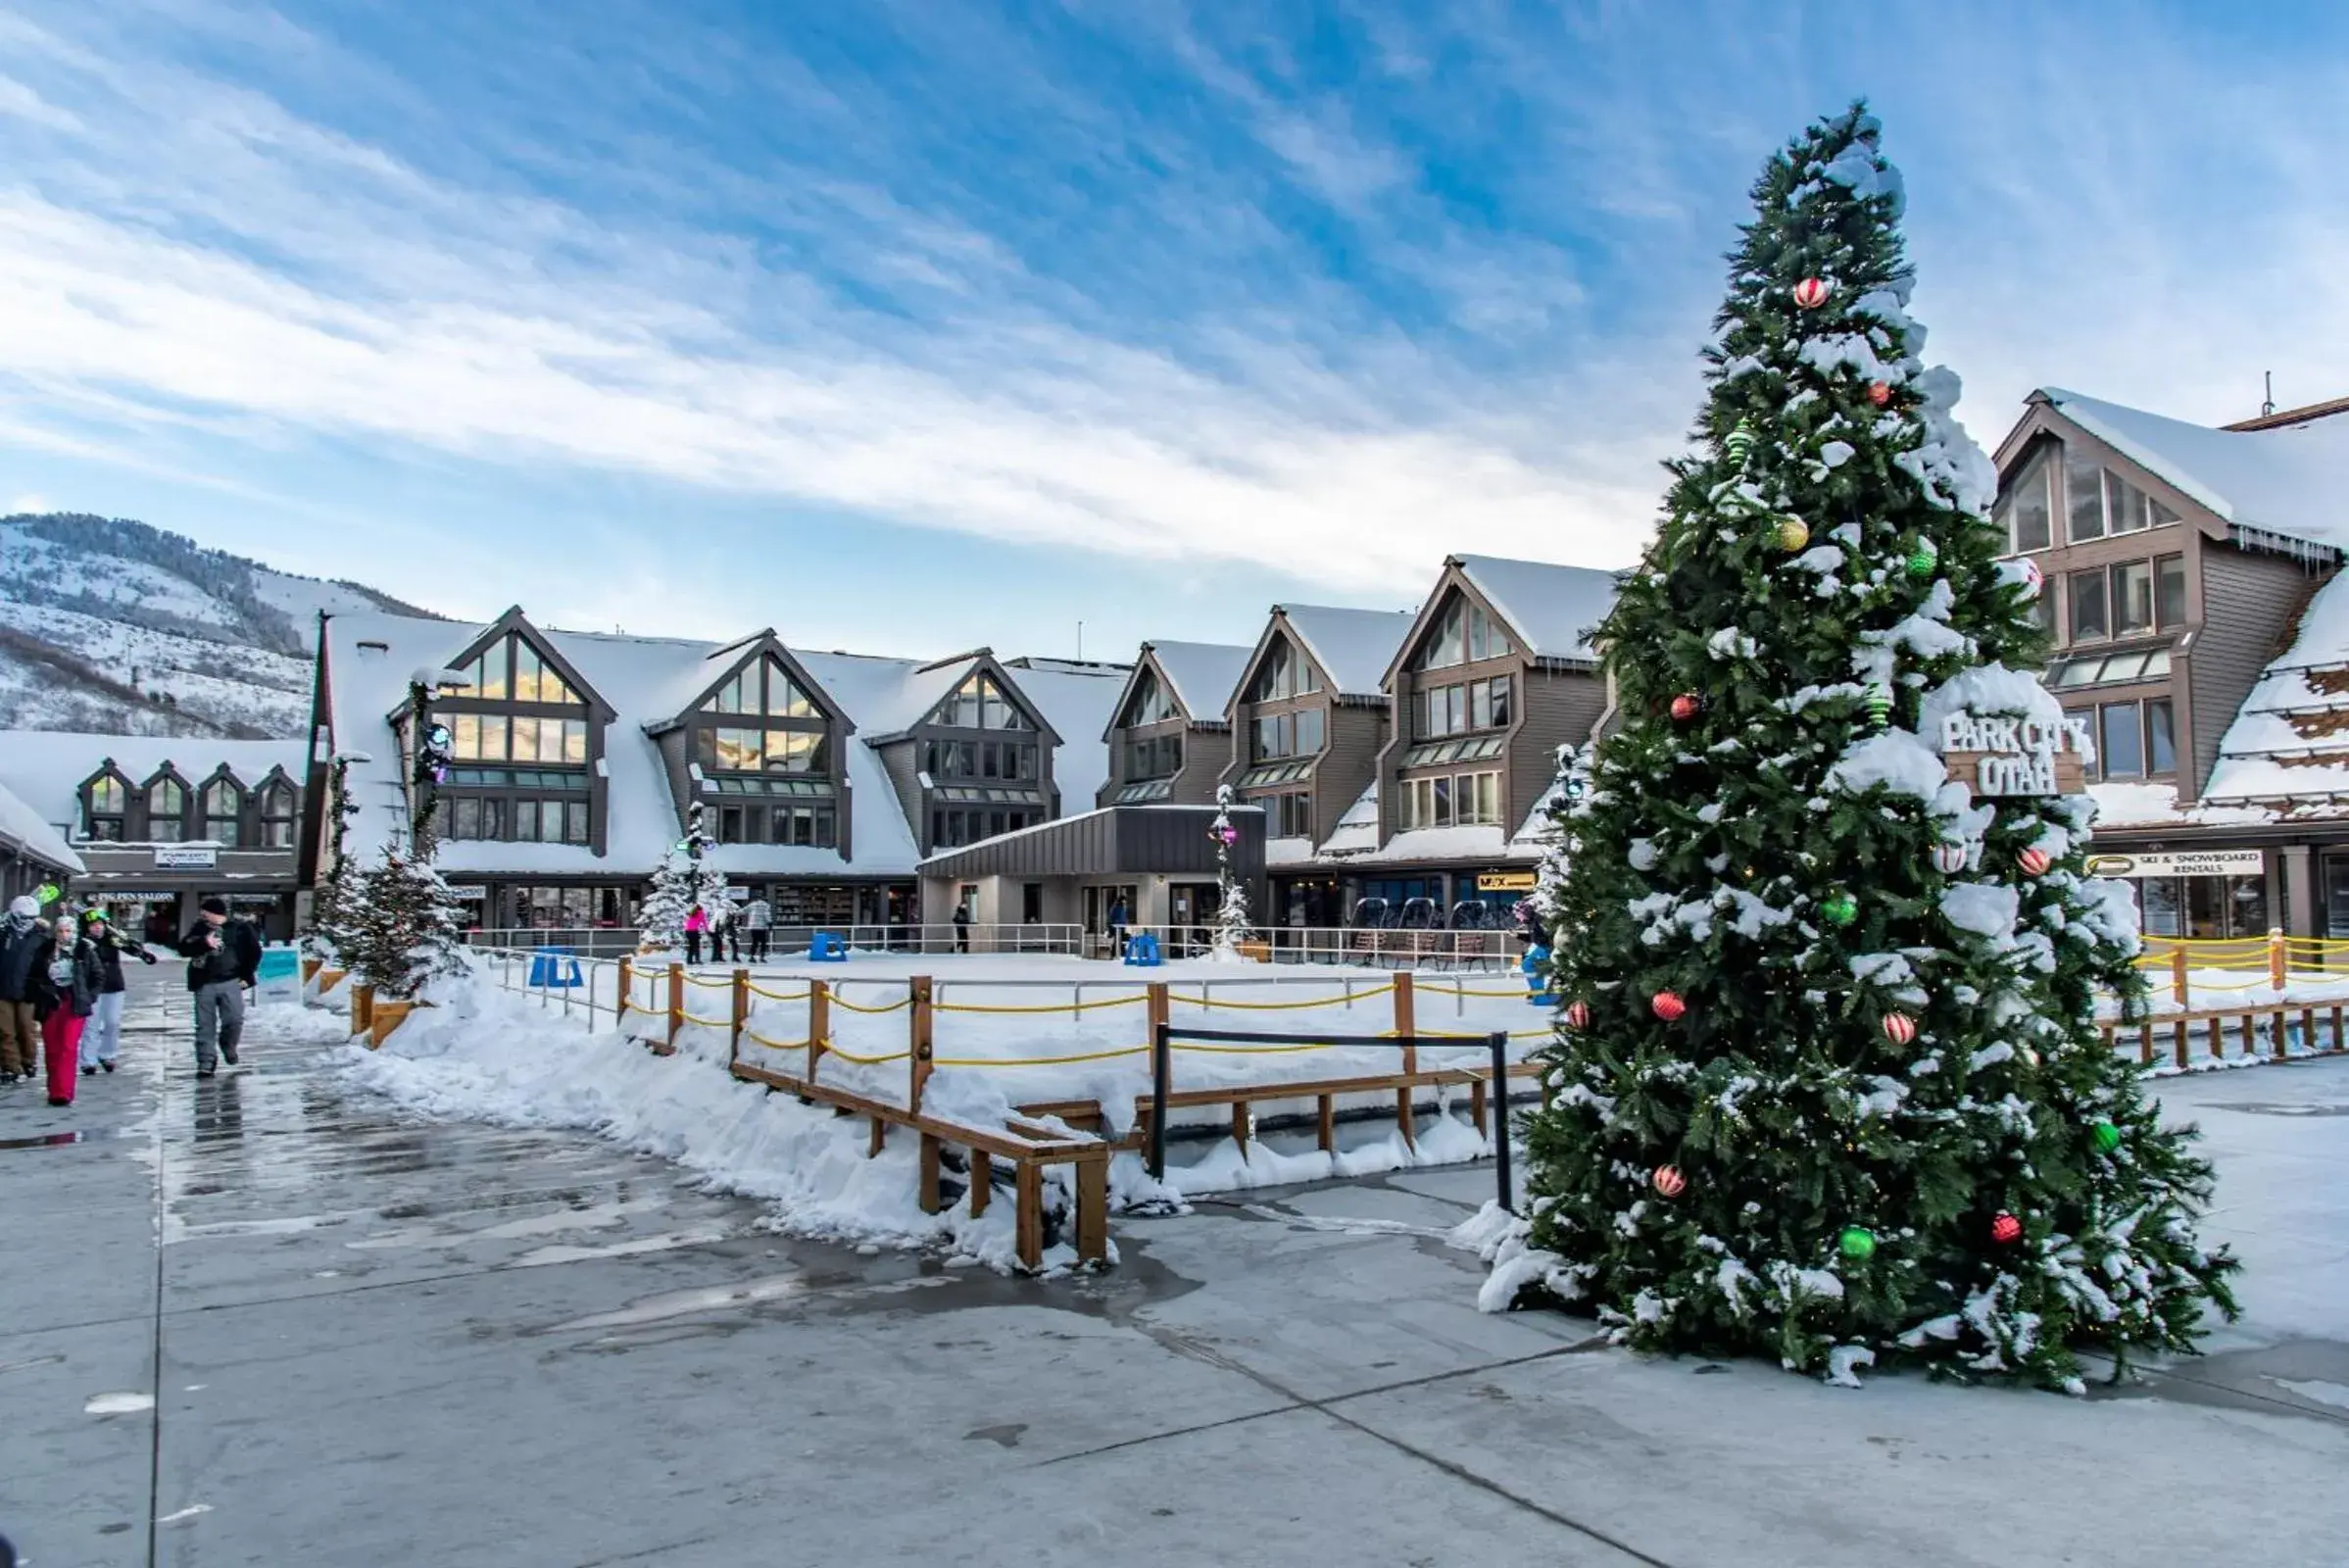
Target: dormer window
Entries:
(512, 671)
(222, 802)
(104, 810)
(1151, 703)
(762, 688)
(278, 813)
(503, 738)
(727, 749)
(979, 702)
(1284, 673)
(167, 804)
(1464, 634)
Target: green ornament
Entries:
(1924, 559)
(2107, 1136)
(1738, 441)
(1880, 707)
(1856, 1244)
(1839, 908)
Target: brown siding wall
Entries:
(675, 757)
(900, 762)
(1559, 710)
(2249, 605)
(1205, 753)
(1349, 764)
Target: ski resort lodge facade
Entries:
(2201, 628)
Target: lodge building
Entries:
(2190, 584)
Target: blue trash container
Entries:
(1142, 951)
(553, 968)
(1536, 982)
(825, 946)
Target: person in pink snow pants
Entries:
(70, 978)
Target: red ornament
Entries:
(1948, 857)
(1668, 1005)
(1810, 293)
(1578, 1014)
(1685, 706)
(2034, 861)
(1899, 1028)
(2006, 1230)
(1669, 1182)
(1880, 393)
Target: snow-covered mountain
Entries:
(112, 627)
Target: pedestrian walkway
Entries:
(263, 1320)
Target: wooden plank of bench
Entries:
(931, 1151)
(1093, 1209)
(1029, 1218)
(1328, 1107)
(982, 1181)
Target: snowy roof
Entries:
(1353, 647)
(45, 769)
(1077, 701)
(1358, 832)
(1553, 607)
(2291, 738)
(2292, 479)
(2155, 805)
(22, 831)
(1202, 674)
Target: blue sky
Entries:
(904, 328)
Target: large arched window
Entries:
(103, 799)
(166, 808)
(223, 803)
(1152, 704)
(278, 813)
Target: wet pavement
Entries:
(264, 1319)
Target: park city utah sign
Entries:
(1998, 754)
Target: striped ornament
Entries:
(2034, 861)
(1899, 1028)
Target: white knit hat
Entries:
(26, 906)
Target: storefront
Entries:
(2206, 894)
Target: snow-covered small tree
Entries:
(406, 928)
(1231, 926)
(333, 903)
(1829, 1084)
(683, 880)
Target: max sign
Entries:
(2001, 755)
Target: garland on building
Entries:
(684, 881)
(1231, 926)
(1827, 1085)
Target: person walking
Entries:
(1117, 926)
(102, 1041)
(23, 948)
(725, 938)
(697, 921)
(68, 982)
(961, 920)
(224, 963)
(759, 916)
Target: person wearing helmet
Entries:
(24, 950)
(102, 1041)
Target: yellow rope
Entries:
(780, 996)
(1285, 1006)
(898, 1005)
(1037, 1062)
(706, 985)
(707, 1023)
(864, 1061)
(1059, 1006)
(773, 1045)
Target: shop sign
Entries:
(1999, 754)
(185, 856)
(469, 892)
(130, 896)
(1506, 881)
(2183, 863)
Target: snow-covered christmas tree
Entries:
(405, 927)
(683, 879)
(332, 906)
(1826, 1084)
(1231, 926)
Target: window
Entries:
(2169, 592)
(1310, 722)
(2088, 618)
(2024, 511)
(534, 682)
(2133, 597)
(1455, 710)
(472, 817)
(2121, 741)
(1460, 799)
(1150, 704)
(166, 802)
(764, 688)
(726, 750)
(980, 702)
(1004, 759)
(2161, 739)
(1288, 816)
(105, 811)
(1463, 634)
(2098, 501)
(1293, 734)
(510, 670)
(1158, 757)
(2107, 669)
(803, 826)
(223, 802)
(1284, 673)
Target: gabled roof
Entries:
(45, 769)
(1353, 647)
(515, 623)
(2291, 738)
(1200, 675)
(23, 833)
(2288, 479)
(1553, 609)
(695, 680)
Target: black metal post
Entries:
(1161, 1085)
(1499, 1041)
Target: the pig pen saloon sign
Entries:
(2001, 755)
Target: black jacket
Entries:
(78, 990)
(23, 946)
(111, 948)
(237, 958)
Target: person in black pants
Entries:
(961, 928)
